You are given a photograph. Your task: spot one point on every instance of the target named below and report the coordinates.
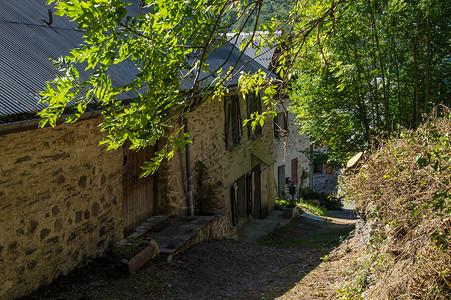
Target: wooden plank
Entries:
(139, 193)
(256, 191)
(264, 192)
(294, 170)
(354, 160)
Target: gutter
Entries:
(190, 201)
(33, 123)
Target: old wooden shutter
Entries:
(253, 105)
(237, 131)
(233, 121)
(228, 123)
(281, 179)
(280, 125)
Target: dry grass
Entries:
(403, 191)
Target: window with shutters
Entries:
(280, 125)
(254, 105)
(233, 128)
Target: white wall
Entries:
(290, 147)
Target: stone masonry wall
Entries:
(206, 125)
(288, 148)
(60, 203)
(325, 183)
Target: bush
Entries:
(403, 191)
(325, 200)
(280, 203)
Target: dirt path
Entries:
(297, 261)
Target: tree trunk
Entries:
(381, 65)
(395, 60)
(428, 67)
(416, 113)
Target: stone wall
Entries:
(206, 125)
(60, 203)
(325, 183)
(288, 148)
(173, 185)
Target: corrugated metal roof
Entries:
(264, 56)
(27, 43)
(227, 56)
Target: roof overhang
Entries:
(262, 157)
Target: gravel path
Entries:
(272, 268)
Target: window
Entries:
(233, 130)
(253, 105)
(280, 125)
(317, 168)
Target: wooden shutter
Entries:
(236, 120)
(253, 105)
(233, 121)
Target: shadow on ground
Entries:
(215, 269)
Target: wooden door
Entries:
(140, 198)
(264, 192)
(256, 192)
(281, 180)
(241, 197)
(260, 191)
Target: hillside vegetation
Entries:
(403, 193)
(270, 9)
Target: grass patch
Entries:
(308, 206)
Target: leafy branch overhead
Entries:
(169, 43)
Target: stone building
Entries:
(60, 203)
(290, 147)
(65, 200)
(325, 176)
(291, 151)
(239, 162)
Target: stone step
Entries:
(174, 234)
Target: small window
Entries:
(254, 105)
(317, 168)
(280, 125)
(233, 128)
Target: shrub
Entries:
(326, 200)
(280, 203)
(403, 191)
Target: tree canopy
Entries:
(354, 69)
(169, 42)
(385, 64)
